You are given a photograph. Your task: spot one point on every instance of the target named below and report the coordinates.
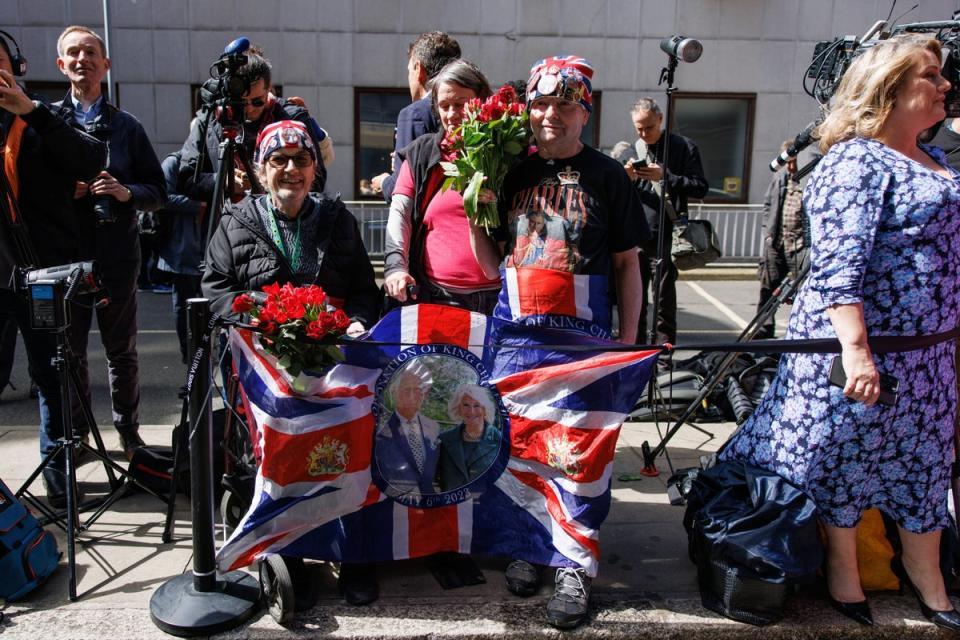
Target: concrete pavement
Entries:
(646, 587)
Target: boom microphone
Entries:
(801, 142)
(682, 48)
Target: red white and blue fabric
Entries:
(562, 397)
(557, 299)
(568, 77)
(285, 134)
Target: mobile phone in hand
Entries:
(889, 385)
(639, 164)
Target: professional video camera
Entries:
(50, 288)
(832, 58)
(226, 87)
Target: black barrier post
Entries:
(201, 449)
(202, 602)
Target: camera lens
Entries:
(103, 210)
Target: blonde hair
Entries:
(866, 95)
(87, 30)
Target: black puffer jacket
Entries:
(242, 257)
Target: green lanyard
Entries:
(294, 256)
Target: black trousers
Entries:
(666, 320)
(775, 265)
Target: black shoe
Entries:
(856, 611)
(523, 579)
(358, 583)
(131, 441)
(55, 484)
(84, 455)
(570, 602)
(949, 619)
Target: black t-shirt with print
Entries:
(569, 215)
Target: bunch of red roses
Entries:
(296, 326)
(492, 138)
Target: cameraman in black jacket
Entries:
(43, 158)
(261, 108)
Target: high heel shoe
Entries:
(949, 619)
(856, 611)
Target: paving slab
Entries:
(646, 587)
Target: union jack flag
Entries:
(535, 296)
(321, 492)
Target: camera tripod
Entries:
(784, 292)
(50, 302)
(228, 153)
(781, 294)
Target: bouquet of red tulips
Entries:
(492, 138)
(296, 326)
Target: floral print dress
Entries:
(886, 232)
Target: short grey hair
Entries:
(646, 104)
(476, 392)
(464, 73)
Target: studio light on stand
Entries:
(688, 50)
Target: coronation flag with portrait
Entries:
(325, 488)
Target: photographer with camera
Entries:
(43, 157)
(260, 108)
(133, 180)
(685, 179)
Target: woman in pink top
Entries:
(428, 256)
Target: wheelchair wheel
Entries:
(232, 509)
(276, 585)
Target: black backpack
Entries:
(28, 553)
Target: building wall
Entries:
(321, 49)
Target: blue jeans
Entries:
(41, 347)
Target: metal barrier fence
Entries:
(738, 227)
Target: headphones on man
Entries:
(17, 61)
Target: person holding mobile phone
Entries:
(884, 213)
(685, 180)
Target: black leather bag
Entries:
(753, 536)
(695, 244)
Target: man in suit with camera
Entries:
(108, 205)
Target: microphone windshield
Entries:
(240, 45)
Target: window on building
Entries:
(721, 124)
(375, 121)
